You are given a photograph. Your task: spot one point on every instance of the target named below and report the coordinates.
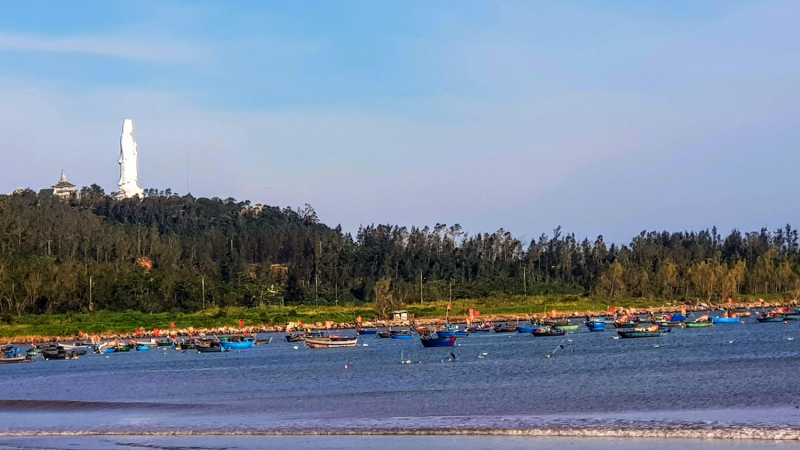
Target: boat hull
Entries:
(366, 332)
(725, 319)
(238, 345)
(639, 334)
(142, 348)
(438, 341)
(331, 343)
(699, 324)
(401, 336)
(566, 327)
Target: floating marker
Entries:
(485, 354)
(296, 347)
(616, 337)
(730, 342)
(789, 339)
(365, 345)
(346, 366)
(656, 346)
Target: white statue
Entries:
(128, 163)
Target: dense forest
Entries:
(170, 252)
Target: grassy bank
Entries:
(127, 322)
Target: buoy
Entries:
(547, 356)
(789, 339)
(616, 337)
(458, 345)
(485, 354)
(730, 342)
(365, 345)
(656, 346)
(296, 347)
(409, 361)
(346, 366)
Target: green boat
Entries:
(566, 327)
(34, 351)
(638, 334)
(699, 324)
(122, 348)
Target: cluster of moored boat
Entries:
(444, 335)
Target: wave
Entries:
(743, 433)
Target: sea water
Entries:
(734, 385)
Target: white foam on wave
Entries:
(742, 433)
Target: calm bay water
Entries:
(731, 381)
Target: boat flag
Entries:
(477, 313)
(138, 331)
(299, 323)
(471, 312)
(156, 331)
(241, 323)
(449, 307)
(80, 333)
(172, 324)
(730, 300)
(359, 319)
(554, 313)
(612, 310)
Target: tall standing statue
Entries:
(128, 163)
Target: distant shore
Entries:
(20, 334)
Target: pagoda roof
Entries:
(63, 183)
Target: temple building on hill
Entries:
(63, 189)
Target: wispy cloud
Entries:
(115, 47)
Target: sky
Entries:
(604, 118)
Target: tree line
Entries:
(168, 252)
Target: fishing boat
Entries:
(296, 336)
(164, 343)
(666, 324)
(653, 331)
(770, 317)
(401, 334)
(238, 342)
(210, 346)
(552, 322)
(11, 355)
(384, 334)
(452, 331)
(725, 319)
(548, 331)
(33, 352)
(596, 325)
(743, 312)
(701, 322)
(142, 348)
(480, 328)
(437, 341)
(366, 331)
(332, 341)
(58, 352)
(505, 328)
(263, 341)
(567, 327)
(526, 329)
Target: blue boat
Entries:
(596, 325)
(400, 335)
(430, 341)
(366, 331)
(527, 330)
(108, 350)
(245, 342)
(725, 319)
(142, 348)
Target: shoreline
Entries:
(424, 322)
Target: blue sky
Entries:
(602, 117)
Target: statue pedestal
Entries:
(129, 191)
